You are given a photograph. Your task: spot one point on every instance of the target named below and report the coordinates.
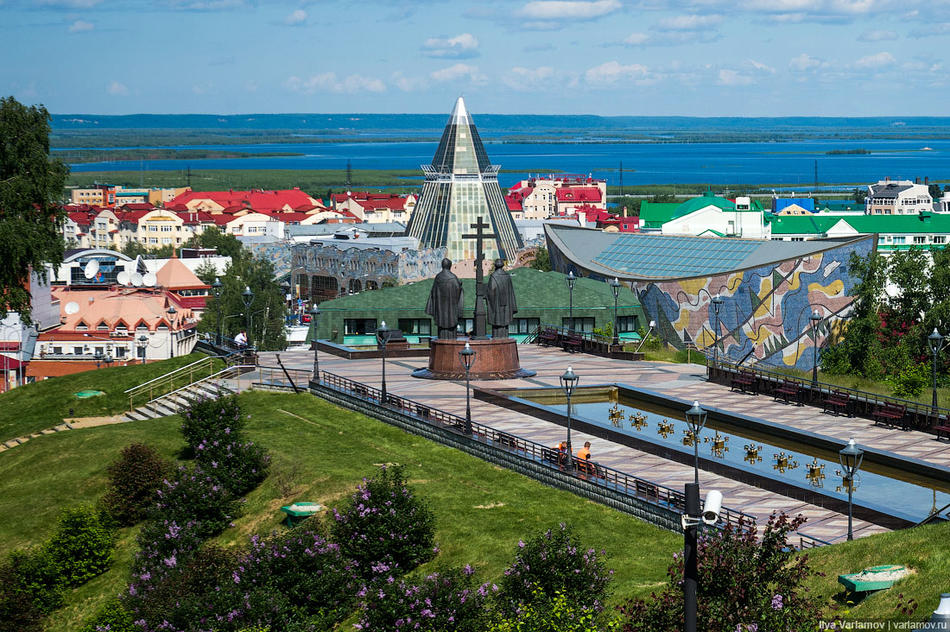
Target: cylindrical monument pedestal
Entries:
(494, 360)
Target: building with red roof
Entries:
(543, 197)
(375, 207)
(286, 200)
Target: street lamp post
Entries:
(216, 290)
(936, 342)
(717, 305)
(382, 335)
(815, 319)
(143, 345)
(467, 356)
(850, 458)
(314, 316)
(569, 381)
(171, 332)
(615, 286)
(696, 420)
(571, 280)
(248, 297)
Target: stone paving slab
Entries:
(683, 381)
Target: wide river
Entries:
(789, 164)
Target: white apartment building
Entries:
(898, 197)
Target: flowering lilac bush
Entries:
(449, 600)
(556, 562)
(744, 585)
(211, 419)
(384, 522)
(194, 495)
(239, 466)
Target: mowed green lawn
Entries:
(45, 404)
(320, 454)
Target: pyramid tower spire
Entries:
(462, 185)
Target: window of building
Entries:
(166, 240)
(153, 240)
(900, 240)
(153, 228)
(939, 239)
(120, 352)
(416, 326)
(166, 229)
(524, 325)
(581, 324)
(798, 239)
(628, 323)
(919, 239)
(359, 326)
(102, 327)
(81, 326)
(77, 350)
(58, 350)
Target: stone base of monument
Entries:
(494, 360)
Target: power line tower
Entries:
(349, 174)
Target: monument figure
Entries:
(446, 301)
(502, 304)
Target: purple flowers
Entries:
(777, 602)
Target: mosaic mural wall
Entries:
(765, 312)
(277, 252)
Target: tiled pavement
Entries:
(683, 381)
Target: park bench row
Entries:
(551, 337)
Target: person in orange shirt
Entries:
(562, 453)
(583, 456)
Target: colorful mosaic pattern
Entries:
(765, 312)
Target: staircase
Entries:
(178, 400)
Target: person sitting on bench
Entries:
(583, 455)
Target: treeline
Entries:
(76, 156)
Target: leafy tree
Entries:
(860, 195)
(226, 245)
(134, 249)
(31, 187)
(542, 260)
(206, 272)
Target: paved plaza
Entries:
(679, 380)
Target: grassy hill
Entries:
(320, 453)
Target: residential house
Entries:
(898, 197)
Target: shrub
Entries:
(212, 419)
(133, 483)
(911, 380)
(448, 600)
(82, 545)
(193, 495)
(239, 466)
(163, 545)
(30, 588)
(384, 522)
(112, 617)
(743, 585)
(556, 614)
(555, 562)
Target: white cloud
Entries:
(877, 36)
(637, 39)
(296, 18)
(568, 10)
(458, 47)
(328, 81)
(206, 5)
(534, 78)
(458, 71)
(804, 63)
(117, 89)
(407, 84)
(66, 4)
(729, 77)
(611, 72)
(80, 26)
(931, 30)
(878, 60)
(689, 22)
(761, 67)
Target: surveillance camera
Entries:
(712, 506)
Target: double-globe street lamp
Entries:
(382, 336)
(615, 286)
(717, 305)
(467, 356)
(171, 332)
(143, 346)
(815, 319)
(248, 297)
(569, 381)
(850, 458)
(571, 280)
(696, 420)
(314, 319)
(216, 291)
(936, 344)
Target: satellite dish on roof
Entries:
(92, 269)
(136, 279)
(72, 307)
(123, 277)
(149, 280)
(140, 266)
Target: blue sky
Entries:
(629, 57)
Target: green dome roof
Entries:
(697, 203)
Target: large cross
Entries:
(481, 311)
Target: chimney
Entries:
(927, 180)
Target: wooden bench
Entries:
(944, 429)
(423, 411)
(743, 381)
(837, 401)
(550, 455)
(572, 343)
(547, 337)
(789, 390)
(507, 441)
(890, 415)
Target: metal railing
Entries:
(863, 403)
(165, 383)
(227, 373)
(275, 377)
(592, 472)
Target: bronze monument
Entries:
(446, 301)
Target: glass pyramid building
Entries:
(461, 186)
